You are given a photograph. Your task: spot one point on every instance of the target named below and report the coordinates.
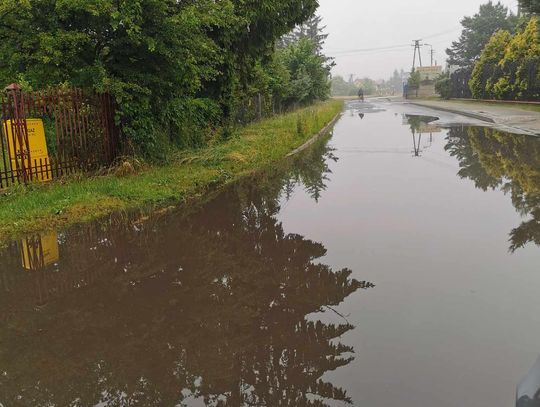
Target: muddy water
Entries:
(393, 264)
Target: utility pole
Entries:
(417, 48)
(432, 52)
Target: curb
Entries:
(314, 138)
(477, 116)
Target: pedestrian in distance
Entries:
(361, 94)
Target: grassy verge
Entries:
(60, 204)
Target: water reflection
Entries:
(159, 311)
(511, 163)
(419, 126)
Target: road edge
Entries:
(315, 137)
(477, 116)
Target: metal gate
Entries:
(51, 133)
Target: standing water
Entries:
(393, 264)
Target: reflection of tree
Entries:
(493, 159)
(312, 170)
(528, 402)
(214, 305)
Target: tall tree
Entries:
(161, 59)
(484, 75)
(311, 30)
(530, 6)
(477, 30)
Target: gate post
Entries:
(19, 155)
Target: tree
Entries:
(443, 85)
(309, 77)
(477, 30)
(396, 81)
(485, 70)
(508, 67)
(520, 78)
(530, 6)
(312, 30)
(164, 61)
(340, 87)
(414, 79)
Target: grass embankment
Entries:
(189, 175)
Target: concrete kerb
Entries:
(477, 116)
(316, 136)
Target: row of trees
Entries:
(506, 162)
(530, 6)
(177, 69)
(509, 66)
(341, 87)
(497, 55)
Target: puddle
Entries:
(395, 264)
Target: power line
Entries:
(402, 46)
(384, 48)
(362, 50)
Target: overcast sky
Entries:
(357, 25)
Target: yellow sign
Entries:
(40, 251)
(39, 155)
(36, 140)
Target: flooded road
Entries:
(395, 263)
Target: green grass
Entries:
(27, 209)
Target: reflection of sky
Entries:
(531, 384)
(440, 326)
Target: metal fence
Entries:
(51, 133)
(460, 84)
(527, 74)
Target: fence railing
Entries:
(460, 84)
(51, 133)
(513, 72)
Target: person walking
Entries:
(361, 94)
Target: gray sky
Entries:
(367, 24)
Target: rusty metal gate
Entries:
(80, 134)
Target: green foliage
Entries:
(477, 31)
(414, 80)
(530, 6)
(443, 86)
(485, 70)
(508, 67)
(308, 73)
(368, 85)
(164, 61)
(340, 87)
(188, 175)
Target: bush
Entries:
(443, 86)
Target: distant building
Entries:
(429, 73)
